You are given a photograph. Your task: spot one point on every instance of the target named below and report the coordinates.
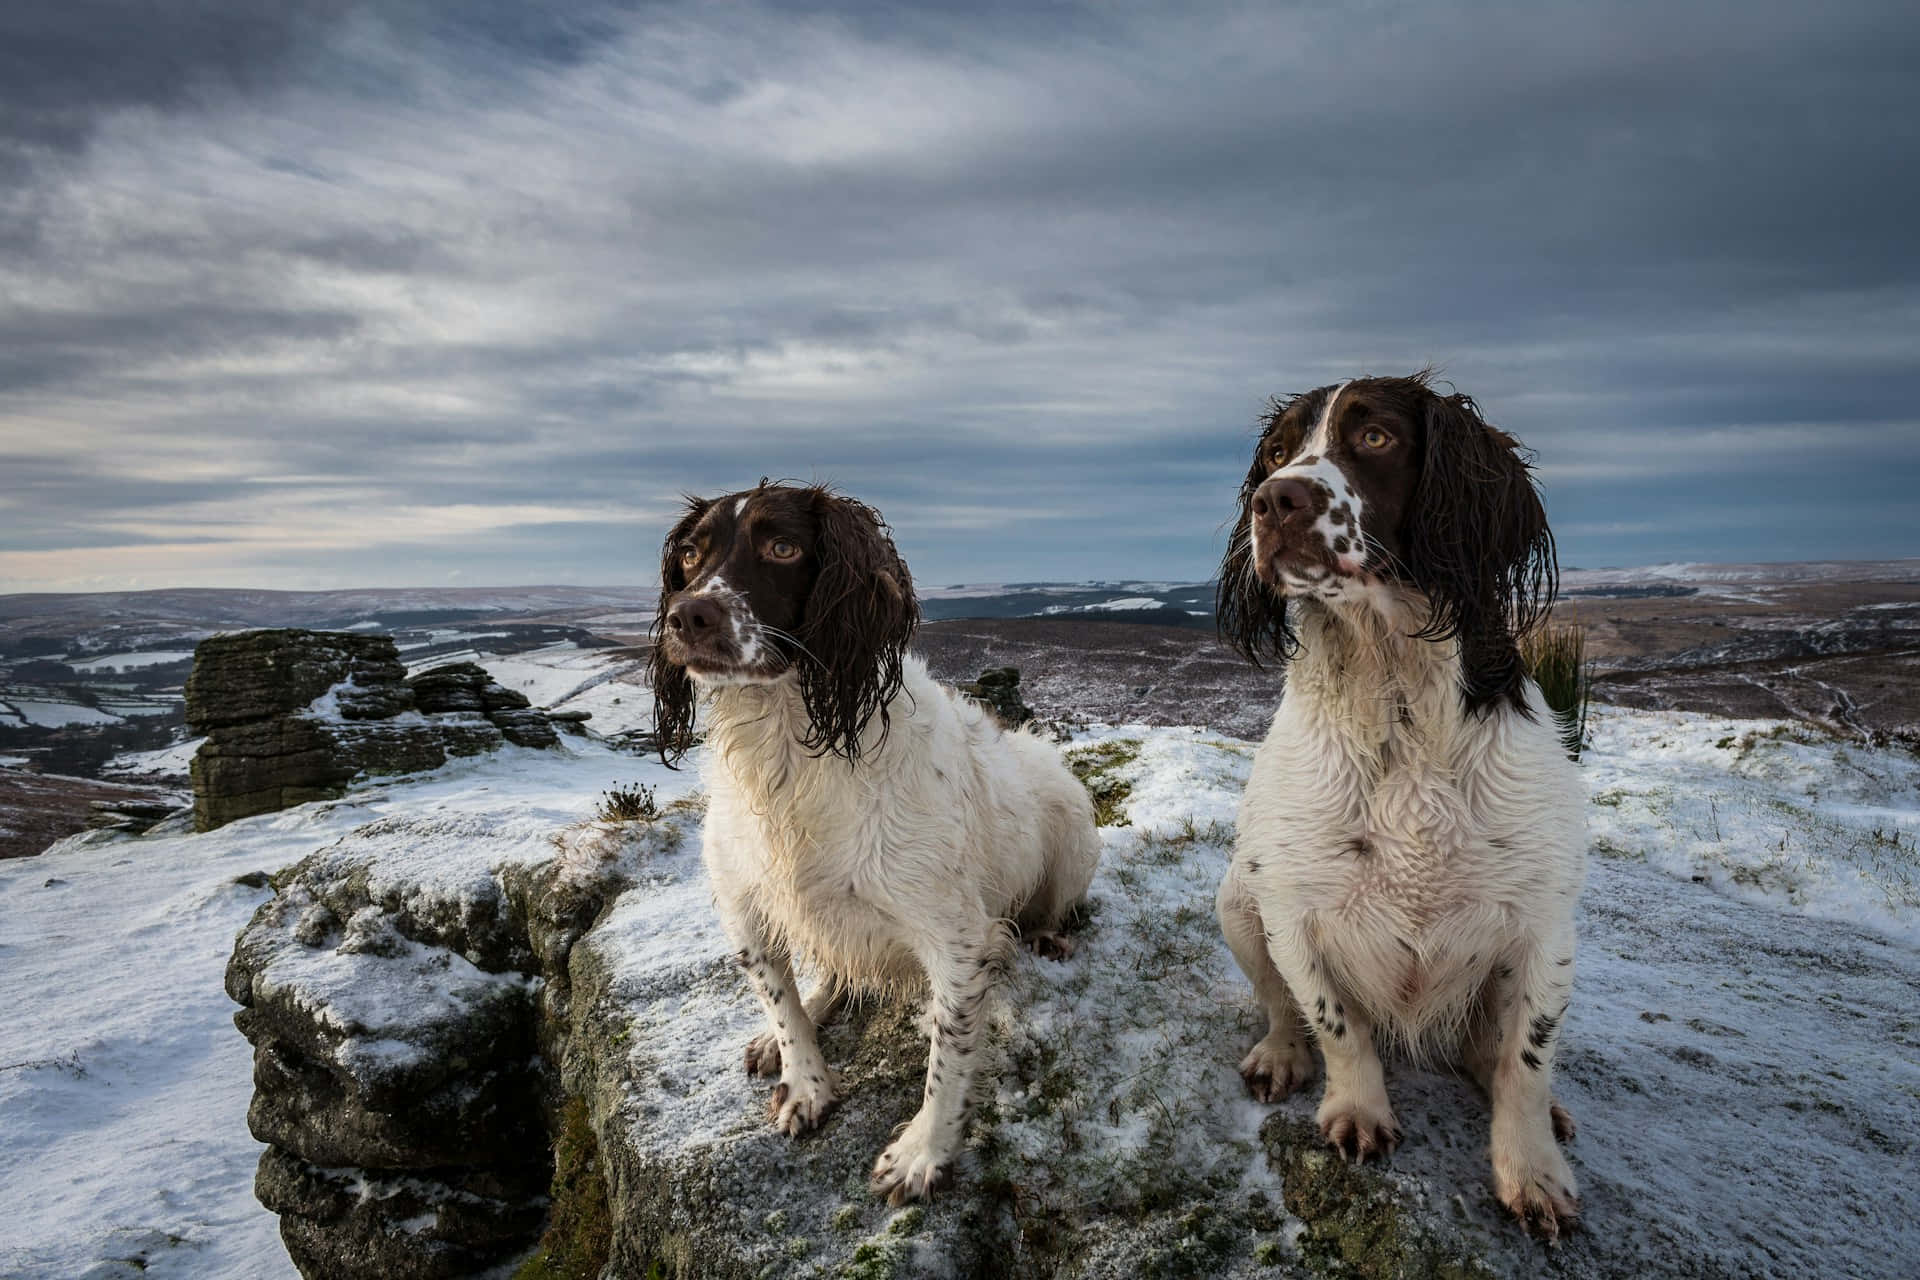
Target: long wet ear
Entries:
(859, 618)
(672, 687)
(1251, 616)
(1477, 543)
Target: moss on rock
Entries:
(1356, 1224)
(579, 1231)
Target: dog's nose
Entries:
(1282, 498)
(691, 615)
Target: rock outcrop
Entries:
(430, 1021)
(404, 992)
(292, 716)
(998, 690)
(440, 1000)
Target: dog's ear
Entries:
(672, 687)
(860, 615)
(1250, 615)
(1477, 543)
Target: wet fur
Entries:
(1411, 840)
(874, 826)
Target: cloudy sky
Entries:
(338, 294)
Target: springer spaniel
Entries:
(862, 817)
(1412, 839)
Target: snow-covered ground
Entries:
(174, 761)
(52, 714)
(563, 677)
(123, 1084)
(1741, 1051)
(1104, 606)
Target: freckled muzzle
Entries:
(711, 632)
(1305, 522)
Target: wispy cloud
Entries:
(374, 294)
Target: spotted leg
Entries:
(828, 1001)
(805, 1093)
(1512, 1053)
(1355, 1116)
(961, 972)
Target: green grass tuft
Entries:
(1094, 764)
(1556, 658)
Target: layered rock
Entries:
(292, 716)
(397, 990)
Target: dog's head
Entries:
(1387, 480)
(782, 582)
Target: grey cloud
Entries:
(1051, 258)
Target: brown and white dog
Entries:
(1411, 841)
(862, 818)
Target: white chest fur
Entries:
(1401, 838)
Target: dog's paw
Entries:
(802, 1100)
(763, 1055)
(910, 1169)
(1050, 944)
(1274, 1068)
(1359, 1129)
(1535, 1182)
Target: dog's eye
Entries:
(783, 549)
(689, 557)
(1375, 438)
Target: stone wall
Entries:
(292, 716)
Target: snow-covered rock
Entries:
(292, 716)
(1741, 1053)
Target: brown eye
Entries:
(1375, 438)
(783, 549)
(689, 556)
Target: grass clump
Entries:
(1556, 658)
(628, 804)
(1094, 765)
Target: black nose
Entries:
(691, 615)
(1282, 498)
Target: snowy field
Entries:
(52, 714)
(1741, 1051)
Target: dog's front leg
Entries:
(961, 975)
(1530, 1173)
(806, 1090)
(1355, 1115)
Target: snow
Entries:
(130, 661)
(566, 677)
(1761, 810)
(52, 715)
(123, 1084)
(175, 760)
(1750, 946)
(1124, 602)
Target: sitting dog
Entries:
(1411, 841)
(862, 818)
